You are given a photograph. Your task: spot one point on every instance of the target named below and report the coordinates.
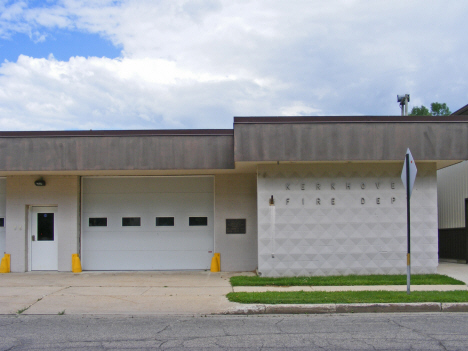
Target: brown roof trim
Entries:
(350, 119)
(117, 133)
(462, 111)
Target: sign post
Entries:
(408, 175)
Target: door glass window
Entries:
(45, 226)
(2, 222)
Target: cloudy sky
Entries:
(170, 64)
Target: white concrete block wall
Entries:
(355, 229)
(236, 197)
(452, 190)
(60, 191)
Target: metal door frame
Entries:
(30, 233)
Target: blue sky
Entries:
(61, 44)
(102, 64)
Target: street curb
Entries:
(455, 307)
(348, 308)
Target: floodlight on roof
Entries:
(403, 100)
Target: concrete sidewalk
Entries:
(130, 293)
(161, 293)
(455, 270)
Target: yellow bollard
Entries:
(76, 263)
(5, 265)
(216, 263)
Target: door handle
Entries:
(33, 238)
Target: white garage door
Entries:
(147, 223)
(2, 215)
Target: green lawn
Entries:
(319, 297)
(346, 280)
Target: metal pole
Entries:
(408, 228)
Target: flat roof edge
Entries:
(117, 133)
(350, 119)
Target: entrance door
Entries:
(44, 248)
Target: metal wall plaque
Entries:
(236, 226)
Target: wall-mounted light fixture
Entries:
(271, 201)
(40, 182)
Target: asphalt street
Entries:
(398, 331)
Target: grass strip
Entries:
(320, 297)
(346, 280)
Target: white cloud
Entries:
(99, 93)
(299, 108)
(197, 63)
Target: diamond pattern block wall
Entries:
(335, 219)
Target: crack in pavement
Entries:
(365, 341)
(418, 332)
(164, 329)
(41, 298)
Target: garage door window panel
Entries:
(164, 221)
(131, 221)
(198, 221)
(98, 222)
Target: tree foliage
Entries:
(437, 109)
(420, 111)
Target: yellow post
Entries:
(76, 263)
(5, 265)
(216, 263)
